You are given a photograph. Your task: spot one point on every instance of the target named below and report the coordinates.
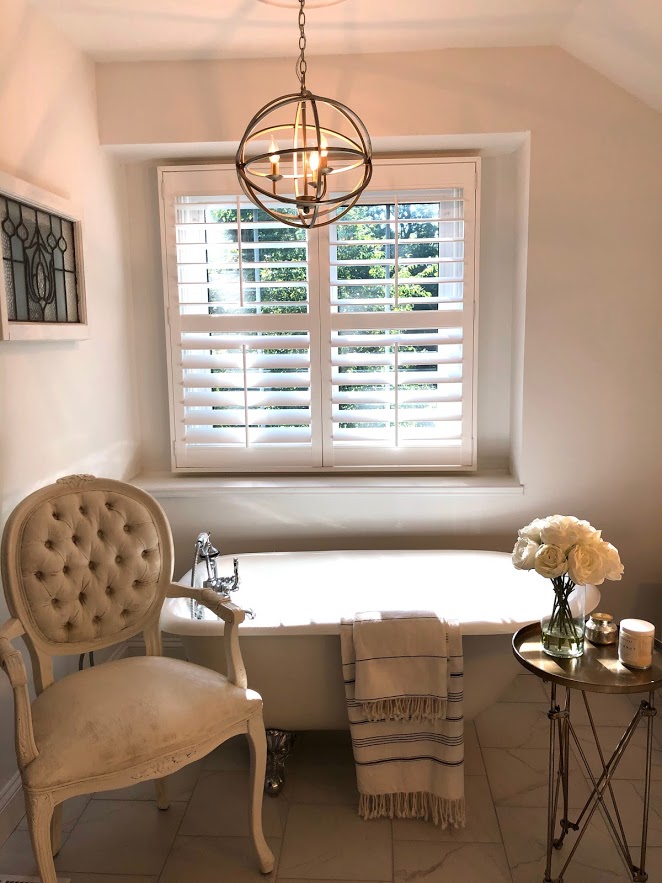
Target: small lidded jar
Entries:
(601, 629)
(635, 643)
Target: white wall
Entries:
(64, 407)
(586, 400)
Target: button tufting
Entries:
(74, 539)
(118, 559)
(137, 582)
(96, 620)
(68, 625)
(100, 534)
(124, 613)
(48, 544)
(92, 565)
(145, 553)
(55, 602)
(110, 590)
(127, 528)
(65, 569)
(82, 597)
(108, 506)
(39, 574)
(56, 516)
(82, 510)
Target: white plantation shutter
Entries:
(400, 330)
(351, 346)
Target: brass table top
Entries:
(598, 670)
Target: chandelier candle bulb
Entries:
(635, 643)
(274, 159)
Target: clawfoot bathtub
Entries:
(292, 647)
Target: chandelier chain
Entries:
(302, 65)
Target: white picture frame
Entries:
(18, 330)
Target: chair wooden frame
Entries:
(43, 805)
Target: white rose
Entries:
(611, 561)
(532, 531)
(550, 561)
(586, 534)
(524, 554)
(567, 531)
(586, 564)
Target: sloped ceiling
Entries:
(620, 38)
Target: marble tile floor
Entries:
(313, 829)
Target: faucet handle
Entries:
(232, 583)
(224, 584)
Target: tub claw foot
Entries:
(279, 745)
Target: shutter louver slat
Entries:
(250, 380)
(252, 361)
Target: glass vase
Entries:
(563, 627)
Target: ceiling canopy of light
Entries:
(304, 159)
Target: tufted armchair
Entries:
(87, 563)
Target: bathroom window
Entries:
(346, 347)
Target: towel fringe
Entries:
(443, 811)
(408, 708)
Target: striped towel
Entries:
(411, 764)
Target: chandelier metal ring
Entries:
(304, 159)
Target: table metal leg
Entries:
(551, 797)
(563, 723)
(560, 732)
(649, 711)
(558, 774)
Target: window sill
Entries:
(168, 486)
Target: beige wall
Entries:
(64, 407)
(586, 355)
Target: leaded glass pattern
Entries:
(39, 264)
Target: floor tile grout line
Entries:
(282, 843)
(181, 821)
(489, 786)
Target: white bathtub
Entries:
(292, 647)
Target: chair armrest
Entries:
(12, 662)
(231, 615)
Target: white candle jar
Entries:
(635, 643)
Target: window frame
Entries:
(391, 176)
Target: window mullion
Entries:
(320, 267)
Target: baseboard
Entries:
(12, 805)
(136, 646)
(118, 652)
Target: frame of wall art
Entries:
(42, 288)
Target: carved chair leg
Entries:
(279, 746)
(161, 786)
(39, 809)
(257, 743)
(56, 830)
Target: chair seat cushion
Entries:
(119, 715)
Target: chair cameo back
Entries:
(86, 563)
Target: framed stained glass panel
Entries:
(41, 285)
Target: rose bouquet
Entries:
(571, 553)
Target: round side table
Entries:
(598, 670)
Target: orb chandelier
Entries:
(304, 159)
